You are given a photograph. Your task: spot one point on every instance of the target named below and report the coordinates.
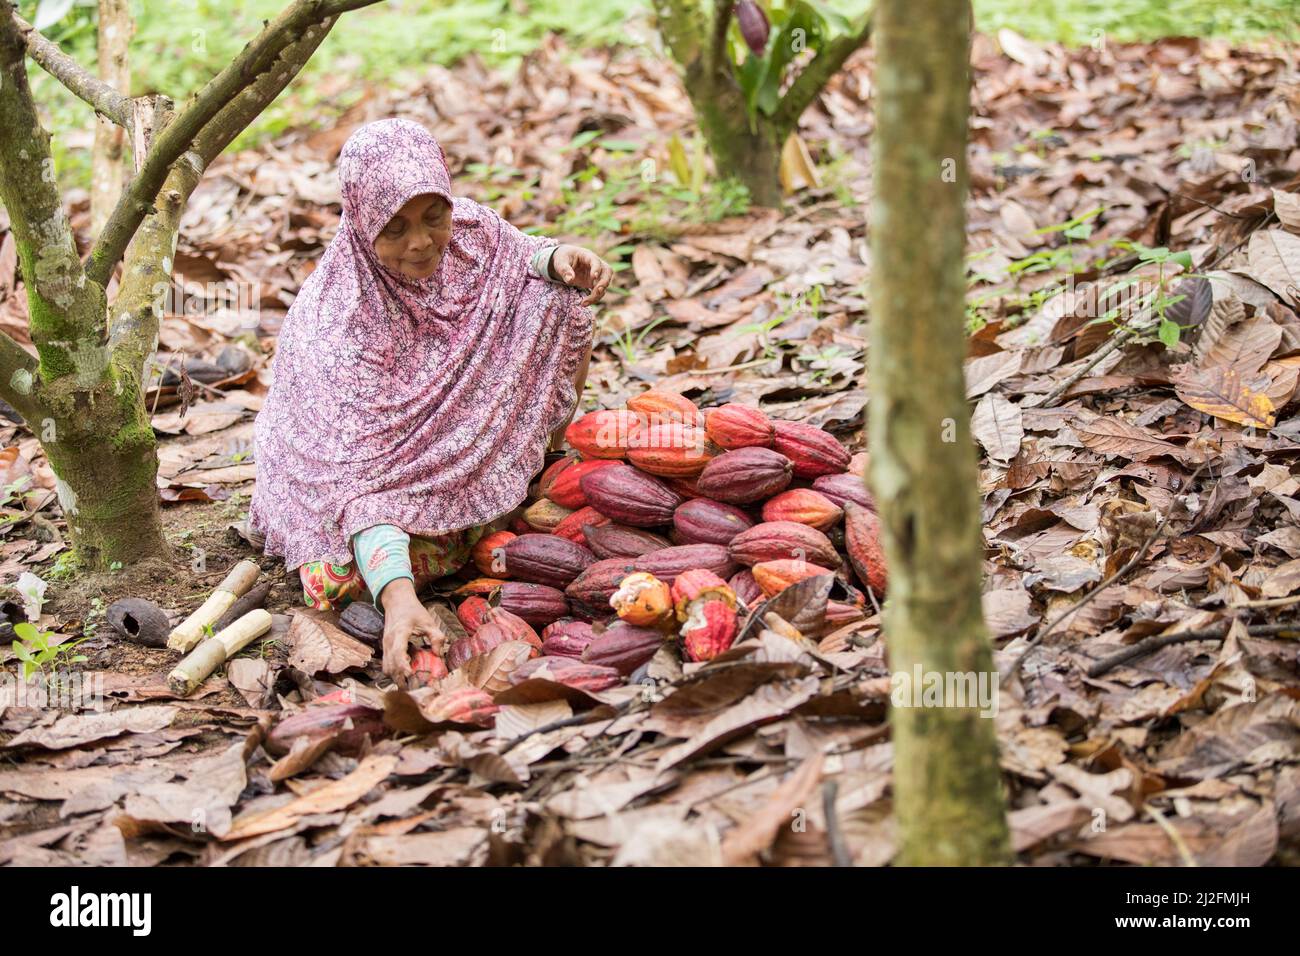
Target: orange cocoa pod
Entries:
(658, 406)
(489, 554)
(740, 426)
(642, 599)
(671, 450)
(775, 576)
(479, 586)
(805, 506)
(602, 434)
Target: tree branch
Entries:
(106, 99)
(17, 375)
(300, 20)
(817, 74)
(136, 311)
(682, 25)
(718, 48)
(67, 312)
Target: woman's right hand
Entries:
(405, 618)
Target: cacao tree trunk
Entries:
(752, 157)
(82, 393)
(696, 38)
(947, 787)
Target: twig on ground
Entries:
(1154, 643)
(834, 834)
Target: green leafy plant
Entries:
(35, 652)
(751, 69)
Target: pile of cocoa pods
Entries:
(666, 524)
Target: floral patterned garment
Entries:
(426, 404)
(327, 586)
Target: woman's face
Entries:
(415, 238)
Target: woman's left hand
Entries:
(582, 269)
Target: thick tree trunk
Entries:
(751, 156)
(106, 167)
(106, 484)
(947, 788)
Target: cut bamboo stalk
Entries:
(253, 599)
(199, 664)
(190, 631)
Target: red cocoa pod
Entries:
(536, 604)
(805, 506)
(428, 666)
(487, 554)
(642, 600)
(351, 723)
(671, 450)
(464, 705)
(709, 628)
(596, 585)
(670, 562)
(571, 527)
(705, 521)
(602, 434)
(500, 626)
(862, 541)
(566, 638)
(754, 28)
(745, 475)
(747, 590)
(520, 526)
(630, 496)
(473, 611)
(623, 647)
(813, 451)
(683, 485)
(844, 488)
(740, 426)
(775, 576)
(566, 490)
(657, 406)
(783, 540)
(553, 471)
(839, 613)
(567, 671)
(618, 541)
(543, 516)
(696, 585)
(546, 559)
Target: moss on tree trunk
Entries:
(947, 787)
(753, 157)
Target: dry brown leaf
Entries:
(1222, 392)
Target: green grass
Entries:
(1082, 22)
(179, 44)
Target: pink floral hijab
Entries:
(420, 403)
